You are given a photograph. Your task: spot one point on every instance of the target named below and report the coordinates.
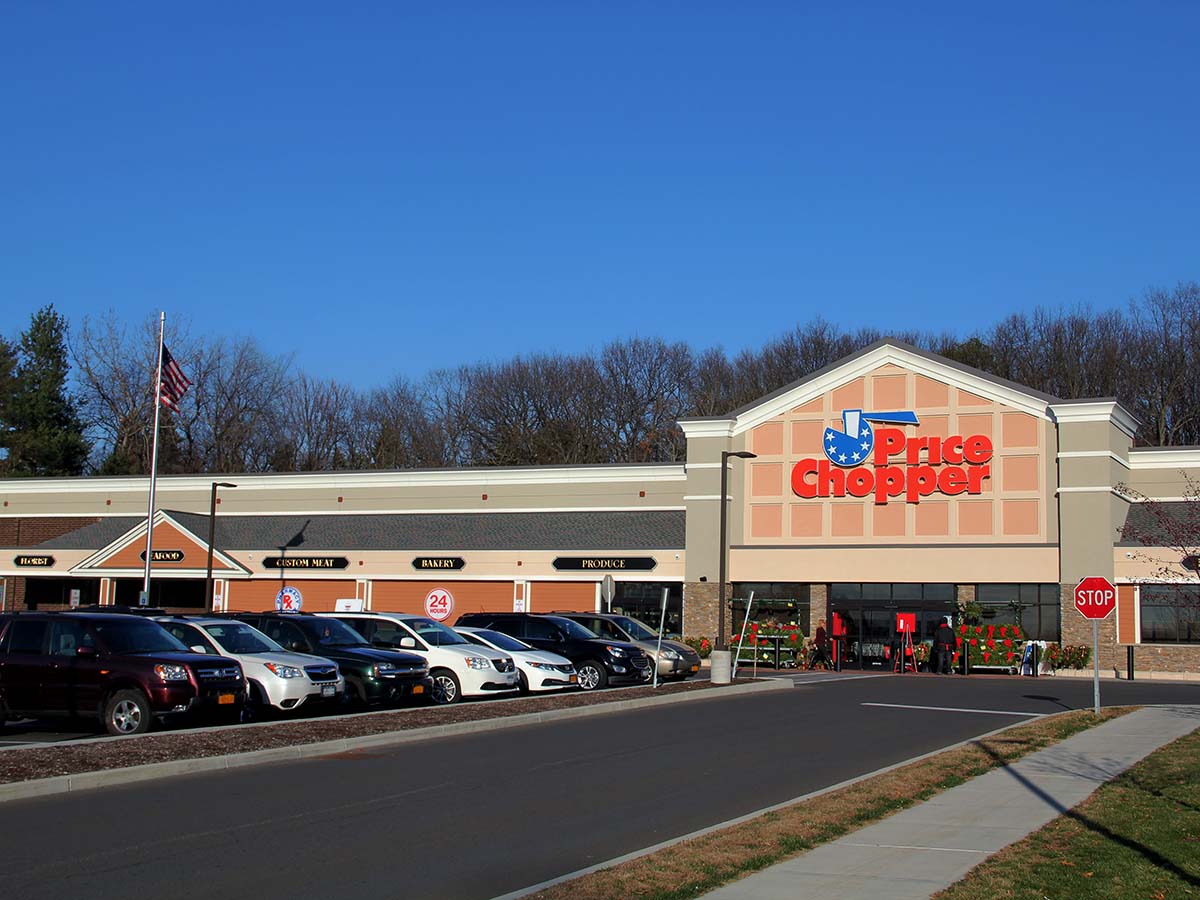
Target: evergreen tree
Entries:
(8, 369)
(43, 433)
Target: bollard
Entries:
(1036, 648)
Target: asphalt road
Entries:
(479, 816)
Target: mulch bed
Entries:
(45, 761)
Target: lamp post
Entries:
(720, 672)
(212, 534)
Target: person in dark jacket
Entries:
(943, 647)
(820, 648)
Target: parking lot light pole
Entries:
(720, 671)
(212, 535)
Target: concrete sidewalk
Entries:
(922, 850)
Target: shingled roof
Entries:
(617, 530)
(1141, 522)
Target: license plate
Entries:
(328, 690)
(574, 678)
(418, 688)
(226, 699)
(695, 668)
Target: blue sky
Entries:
(387, 188)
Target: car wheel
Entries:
(523, 682)
(592, 675)
(127, 712)
(445, 686)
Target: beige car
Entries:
(677, 660)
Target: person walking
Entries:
(943, 646)
(820, 647)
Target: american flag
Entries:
(174, 382)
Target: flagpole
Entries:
(162, 325)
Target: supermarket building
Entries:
(894, 480)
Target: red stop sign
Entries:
(1095, 597)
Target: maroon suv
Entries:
(124, 670)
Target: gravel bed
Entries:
(45, 761)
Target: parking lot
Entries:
(480, 816)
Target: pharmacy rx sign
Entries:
(902, 465)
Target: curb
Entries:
(62, 784)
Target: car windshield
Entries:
(636, 629)
(576, 631)
(138, 636)
(501, 641)
(435, 633)
(332, 633)
(238, 637)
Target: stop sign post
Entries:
(1095, 598)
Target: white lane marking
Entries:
(989, 712)
(909, 847)
(799, 681)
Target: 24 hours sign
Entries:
(439, 604)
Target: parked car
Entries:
(124, 670)
(275, 677)
(677, 660)
(538, 670)
(373, 676)
(457, 667)
(598, 662)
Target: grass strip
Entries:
(694, 867)
(1137, 837)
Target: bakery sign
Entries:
(901, 465)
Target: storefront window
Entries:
(776, 603)
(1170, 613)
(1034, 608)
(868, 611)
(643, 600)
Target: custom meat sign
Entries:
(912, 467)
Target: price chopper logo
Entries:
(949, 465)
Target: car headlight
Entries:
(477, 662)
(668, 653)
(284, 671)
(545, 667)
(383, 670)
(616, 651)
(171, 672)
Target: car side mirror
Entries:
(408, 643)
(199, 648)
(85, 652)
(298, 646)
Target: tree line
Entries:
(81, 403)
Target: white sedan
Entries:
(540, 670)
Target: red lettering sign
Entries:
(908, 467)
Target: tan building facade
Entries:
(892, 481)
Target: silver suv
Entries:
(677, 659)
(275, 677)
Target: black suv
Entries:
(677, 660)
(599, 662)
(373, 676)
(124, 670)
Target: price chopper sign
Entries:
(1095, 598)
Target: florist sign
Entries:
(912, 467)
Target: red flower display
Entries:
(979, 629)
(991, 644)
(1007, 642)
(991, 630)
(986, 656)
(974, 642)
